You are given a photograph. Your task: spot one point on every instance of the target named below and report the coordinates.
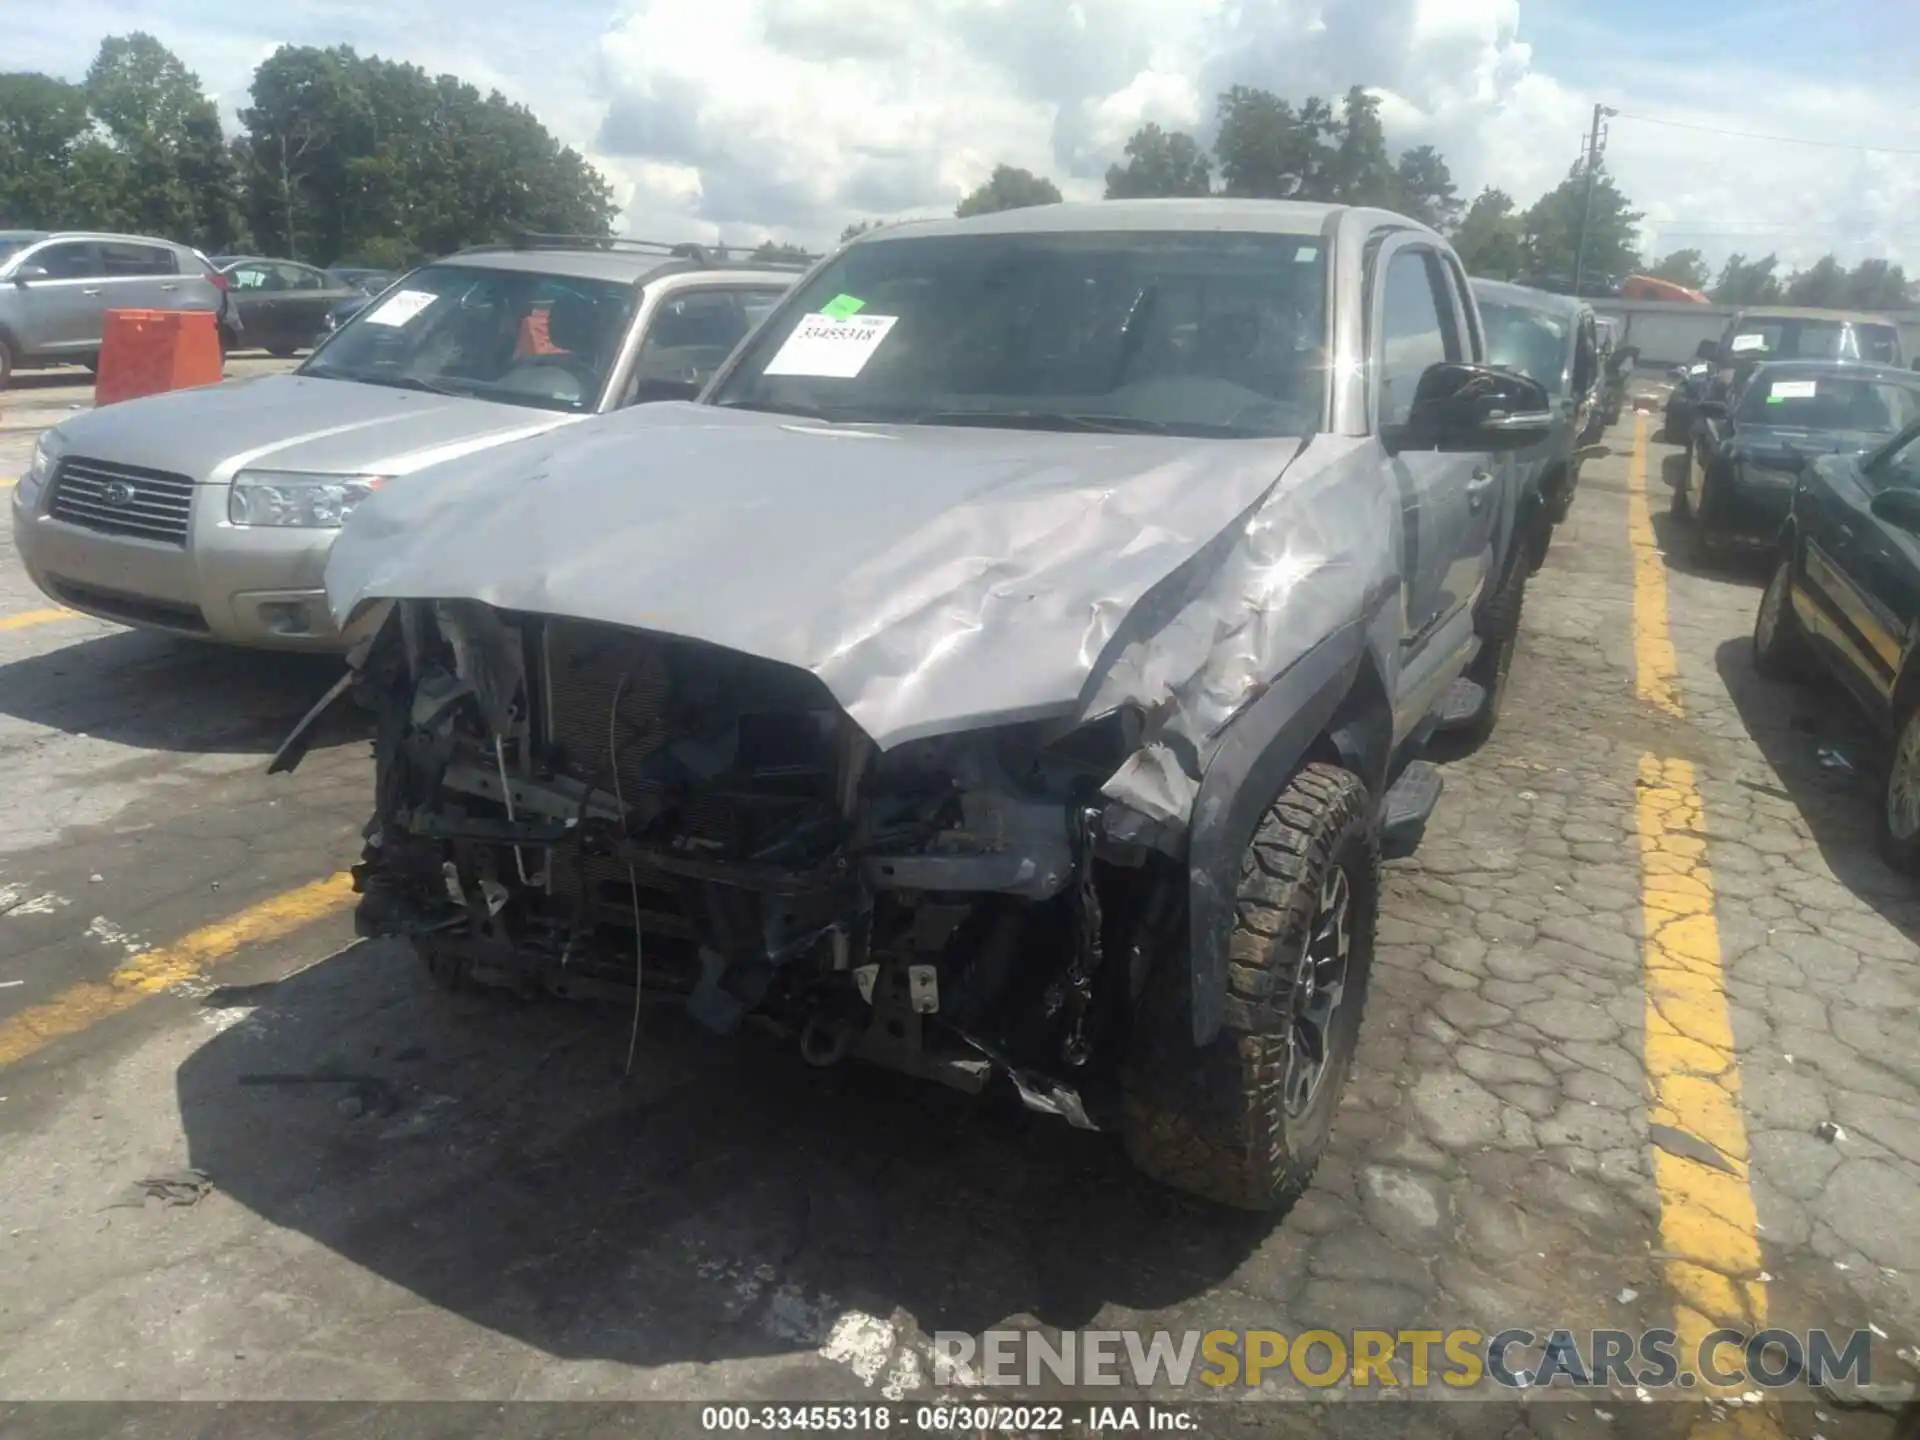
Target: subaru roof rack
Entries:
(703, 255)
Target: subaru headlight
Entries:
(47, 451)
(290, 498)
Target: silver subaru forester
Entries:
(210, 512)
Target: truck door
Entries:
(1447, 500)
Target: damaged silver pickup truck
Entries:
(1010, 671)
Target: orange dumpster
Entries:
(145, 352)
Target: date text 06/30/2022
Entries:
(956, 1419)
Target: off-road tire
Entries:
(1780, 650)
(1702, 545)
(1679, 506)
(1210, 1120)
(1901, 852)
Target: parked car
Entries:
(283, 305)
(1617, 360)
(346, 309)
(1777, 333)
(1014, 633)
(368, 282)
(1747, 452)
(56, 289)
(1844, 601)
(210, 512)
(1554, 340)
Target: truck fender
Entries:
(1261, 749)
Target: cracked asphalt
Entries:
(1643, 964)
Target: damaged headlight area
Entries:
(293, 499)
(566, 806)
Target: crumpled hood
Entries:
(936, 579)
(298, 422)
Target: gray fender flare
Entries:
(1258, 754)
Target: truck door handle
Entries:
(1478, 486)
(94, 291)
(169, 287)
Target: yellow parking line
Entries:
(1708, 1227)
(79, 1006)
(36, 617)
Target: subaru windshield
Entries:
(545, 341)
(1218, 334)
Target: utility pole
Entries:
(1596, 146)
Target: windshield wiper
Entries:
(830, 414)
(396, 382)
(1045, 420)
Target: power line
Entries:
(1774, 139)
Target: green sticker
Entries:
(841, 306)
(1775, 399)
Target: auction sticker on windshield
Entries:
(400, 307)
(1749, 342)
(831, 347)
(1790, 390)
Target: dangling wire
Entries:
(633, 879)
(506, 793)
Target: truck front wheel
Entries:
(1244, 1119)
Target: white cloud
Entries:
(740, 118)
(799, 115)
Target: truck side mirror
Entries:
(30, 272)
(1707, 350)
(1463, 407)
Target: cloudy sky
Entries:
(742, 118)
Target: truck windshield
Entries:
(508, 335)
(1219, 334)
(1529, 341)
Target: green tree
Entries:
(156, 115)
(1009, 188)
(1747, 282)
(1361, 173)
(1877, 285)
(781, 254)
(1267, 149)
(1424, 188)
(859, 227)
(1160, 163)
(1822, 283)
(347, 152)
(1553, 223)
(1683, 267)
(43, 124)
(1490, 239)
